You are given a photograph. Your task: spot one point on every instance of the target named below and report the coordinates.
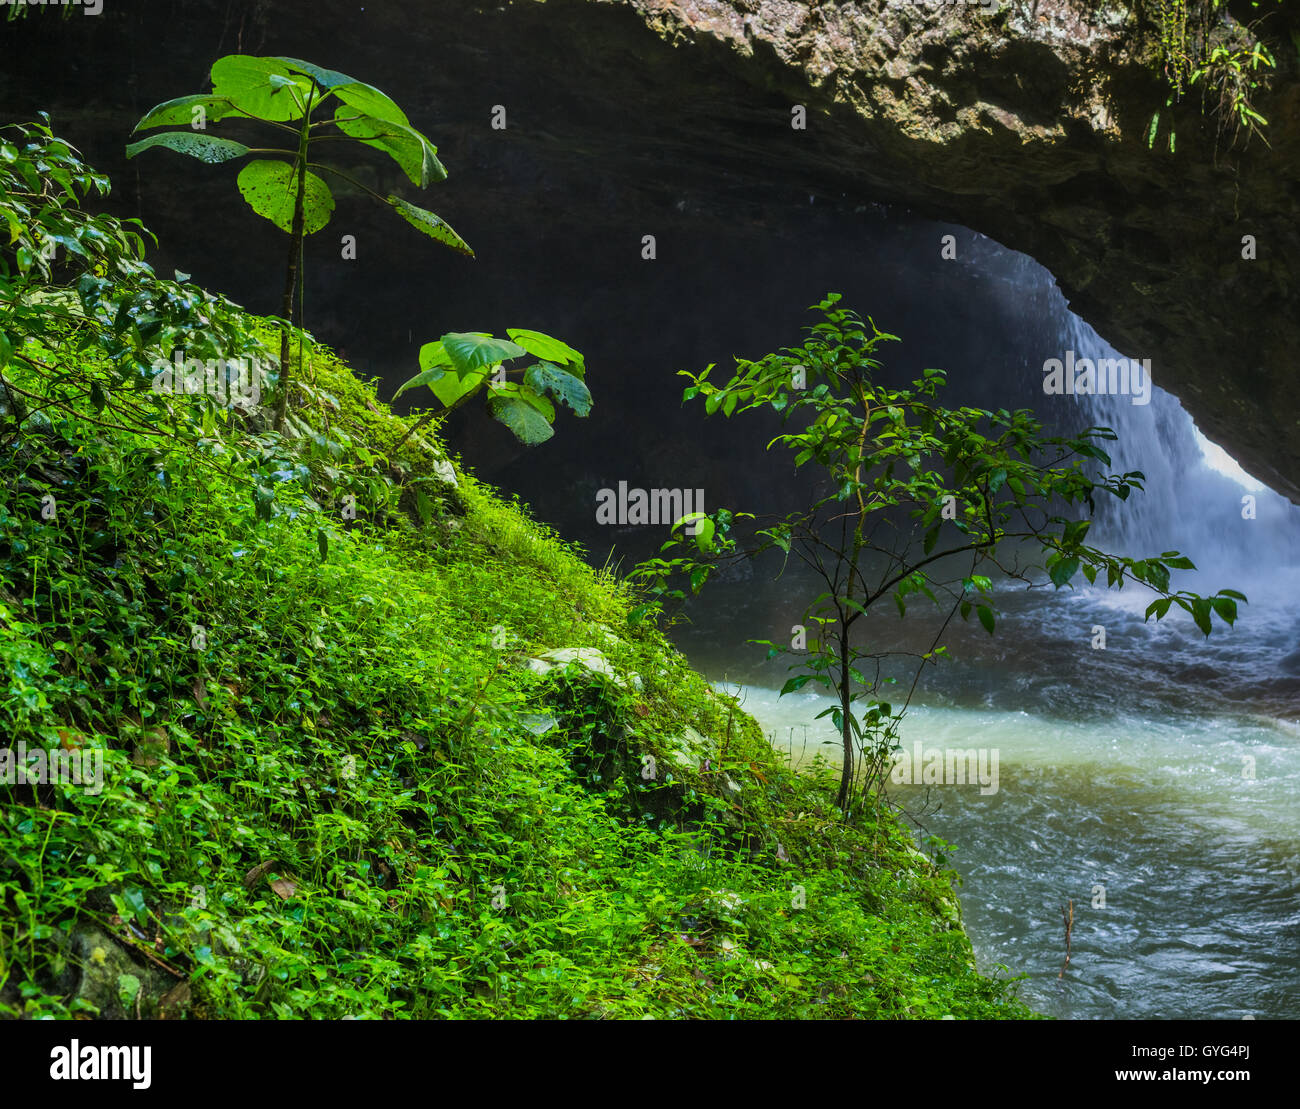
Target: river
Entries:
(1154, 782)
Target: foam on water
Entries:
(1199, 862)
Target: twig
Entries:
(135, 945)
(1067, 914)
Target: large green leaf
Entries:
(271, 188)
(181, 110)
(250, 84)
(404, 144)
(469, 350)
(206, 148)
(451, 388)
(433, 226)
(530, 427)
(544, 377)
(547, 347)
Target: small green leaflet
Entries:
(1159, 607)
(1226, 607)
(1063, 570)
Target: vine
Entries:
(1207, 48)
(1175, 48)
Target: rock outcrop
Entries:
(1030, 122)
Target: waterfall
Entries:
(1196, 498)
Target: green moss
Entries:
(333, 786)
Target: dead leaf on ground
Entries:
(153, 745)
(71, 740)
(255, 875)
(172, 1004)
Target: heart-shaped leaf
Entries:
(434, 354)
(469, 350)
(246, 82)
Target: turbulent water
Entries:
(1154, 782)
